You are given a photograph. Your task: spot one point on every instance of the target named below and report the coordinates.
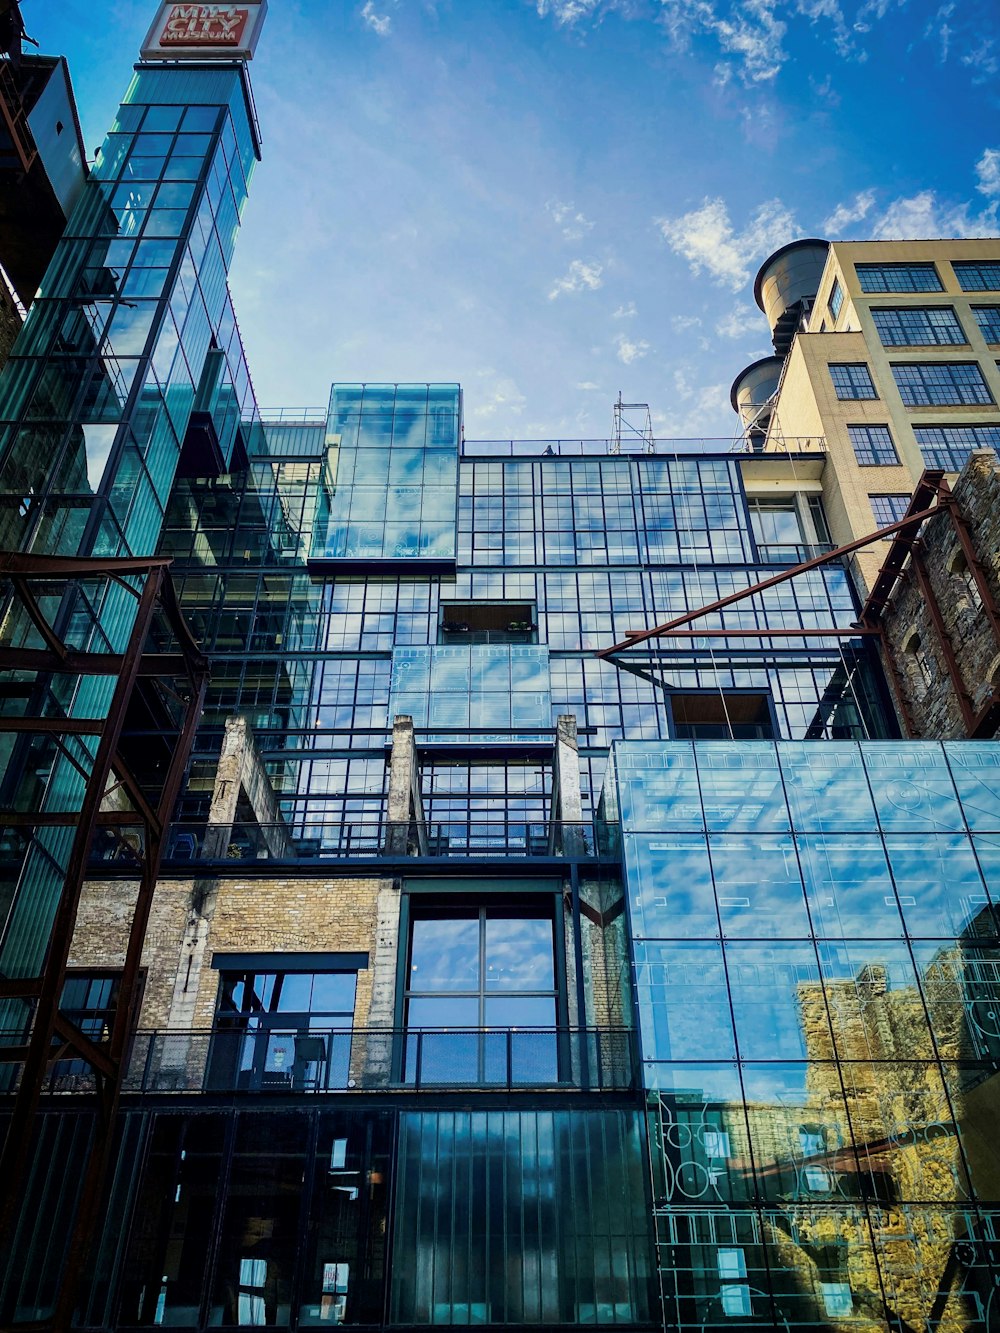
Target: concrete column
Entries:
(241, 769)
(406, 834)
(382, 1008)
(567, 800)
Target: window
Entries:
(487, 969)
(917, 655)
(949, 446)
(889, 509)
(988, 319)
(89, 1000)
(284, 1030)
(898, 278)
(852, 380)
(974, 276)
(836, 298)
(918, 326)
(941, 384)
(721, 716)
(873, 446)
(959, 568)
(734, 1289)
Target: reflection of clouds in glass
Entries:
(444, 955)
(519, 955)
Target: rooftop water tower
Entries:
(786, 287)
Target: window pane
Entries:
(444, 955)
(519, 955)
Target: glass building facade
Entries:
(815, 959)
(675, 1005)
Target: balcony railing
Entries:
(270, 1058)
(284, 844)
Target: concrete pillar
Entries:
(241, 769)
(382, 1008)
(406, 833)
(567, 800)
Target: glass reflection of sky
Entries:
(444, 955)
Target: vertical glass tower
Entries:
(129, 356)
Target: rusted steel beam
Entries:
(833, 632)
(919, 567)
(60, 726)
(93, 1052)
(89, 664)
(65, 818)
(930, 485)
(35, 566)
(15, 1156)
(961, 528)
(897, 685)
(34, 611)
(910, 521)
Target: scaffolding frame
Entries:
(52, 1035)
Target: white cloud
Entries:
(629, 350)
(740, 320)
(684, 322)
(574, 225)
(625, 311)
(580, 276)
(380, 24)
(694, 405)
(705, 238)
(922, 216)
(983, 60)
(567, 11)
(750, 33)
(988, 171)
(844, 214)
(588, 386)
(503, 396)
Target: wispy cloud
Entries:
(500, 395)
(706, 239)
(568, 11)
(588, 386)
(848, 212)
(381, 24)
(625, 311)
(740, 320)
(629, 349)
(573, 224)
(988, 171)
(923, 215)
(580, 276)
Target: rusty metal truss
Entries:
(113, 799)
(932, 496)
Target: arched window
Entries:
(959, 568)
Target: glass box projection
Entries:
(817, 983)
(391, 487)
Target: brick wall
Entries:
(928, 690)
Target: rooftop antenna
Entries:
(625, 428)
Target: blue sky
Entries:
(552, 200)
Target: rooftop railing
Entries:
(805, 444)
(269, 1060)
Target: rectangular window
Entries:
(975, 276)
(941, 384)
(852, 380)
(949, 446)
(836, 298)
(481, 995)
(918, 326)
(889, 509)
(283, 1030)
(873, 446)
(988, 319)
(898, 278)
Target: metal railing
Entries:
(638, 448)
(270, 1058)
(791, 553)
(282, 843)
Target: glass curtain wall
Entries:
(132, 326)
(816, 970)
